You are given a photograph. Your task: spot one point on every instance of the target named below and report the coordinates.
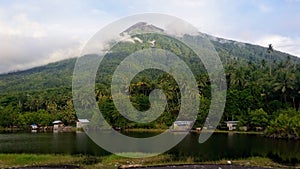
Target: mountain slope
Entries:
(53, 75)
(59, 74)
(249, 52)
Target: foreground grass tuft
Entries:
(20, 160)
(113, 161)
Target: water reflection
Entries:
(219, 146)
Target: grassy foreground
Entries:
(113, 161)
(21, 160)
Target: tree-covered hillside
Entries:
(263, 87)
(53, 75)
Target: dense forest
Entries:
(263, 88)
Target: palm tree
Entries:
(296, 92)
(284, 83)
(269, 51)
(229, 71)
(263, 64)
(238, 78)
(202, 83)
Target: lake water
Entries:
(219, 146)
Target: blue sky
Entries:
(38, 32)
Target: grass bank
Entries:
(21, 160)
(113, 161)
(237, 132)
(145, 130)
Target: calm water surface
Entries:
(219, 146)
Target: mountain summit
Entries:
(141, 27)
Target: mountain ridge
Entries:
(144, 26)
(59, 74)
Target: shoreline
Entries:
(195, 131)
(74, 129)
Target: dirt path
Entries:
(204, 166)
(196, 166)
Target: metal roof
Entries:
(183, 123)
(231, 122)
(83, 120)
(57, 122)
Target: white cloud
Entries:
(32, 33)
(20, 25)
(65, 53)
(28, 28)
(19, 53)
(179, 28)
(27, 42)
(131, 39)
(281, 43)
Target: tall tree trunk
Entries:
(294, 104)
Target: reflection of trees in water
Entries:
(219, 146)
(284, 153)
(237, 146)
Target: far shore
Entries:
(196, 131)
(158, 130)
(68, 129)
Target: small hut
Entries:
(182, 125)
(57, 125)
(81, 123)
(34, 127)
(231, 125)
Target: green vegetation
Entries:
(20, 160)
(285, 125)
(113, 161)
(263, 89)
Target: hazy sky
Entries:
(38, 32)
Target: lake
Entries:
(219, 146)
